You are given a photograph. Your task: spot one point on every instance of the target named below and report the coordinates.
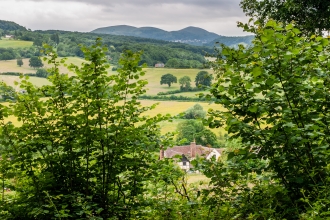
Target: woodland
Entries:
(87, 149)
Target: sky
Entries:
(218, 16)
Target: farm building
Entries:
(159, 65)
(190, 152)
(9, 36)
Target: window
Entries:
(184, 163)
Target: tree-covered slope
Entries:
(10, 26)
(191, 35)
(231, 41)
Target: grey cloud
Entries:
(217, 16)
(107, 3)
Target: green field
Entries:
(153, 75)
(15, 43)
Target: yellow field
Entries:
(165, 107)
(197, 178)
(15, 43)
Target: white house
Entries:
(189, 152)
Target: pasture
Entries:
(5, 43)
(153, 75)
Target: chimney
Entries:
(161, 153)
(193, 149)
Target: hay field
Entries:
(15, 43)
(164, 107)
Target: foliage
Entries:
(19, 62)
(168, 79)
(309, 16)
(7, 56)
(203, 78)
(86, 151)
(185, 83)
(6, 92)
(42, 73)
(35, 62)
(54, 37)
(276, 96)
(10, 26)
(194, 130)
(195, 112)
(183, 63)
(178, 98)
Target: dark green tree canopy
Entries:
(168, 79)
(42, 73)
(7, 56)
(35, 62)
(19, 62)
(309, 15)
(54, 37)
(203, 78)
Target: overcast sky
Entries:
(219, 16)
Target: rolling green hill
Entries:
(11, 26)
(190, 35)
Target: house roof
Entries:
(186, 150)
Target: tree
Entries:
(269, 92)
(42, 73)
(19, 62)
(195, 112)
(35, 62)
(203, 78)
(185, 83)
(87, 150)
(194, 130)
(54, 37)
(7, 56)
(6, 92)
(309, 15)
(168, 79)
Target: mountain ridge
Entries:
(190, 35)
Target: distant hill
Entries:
(189, 35)
(11, 26)
(231, 41)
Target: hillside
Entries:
(231, 41)
(188, 35)
(11, 26)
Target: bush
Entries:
(195, 112)
(42, 73)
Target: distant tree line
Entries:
(173, 55)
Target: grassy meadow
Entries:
(153, 75)
(5, 43)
